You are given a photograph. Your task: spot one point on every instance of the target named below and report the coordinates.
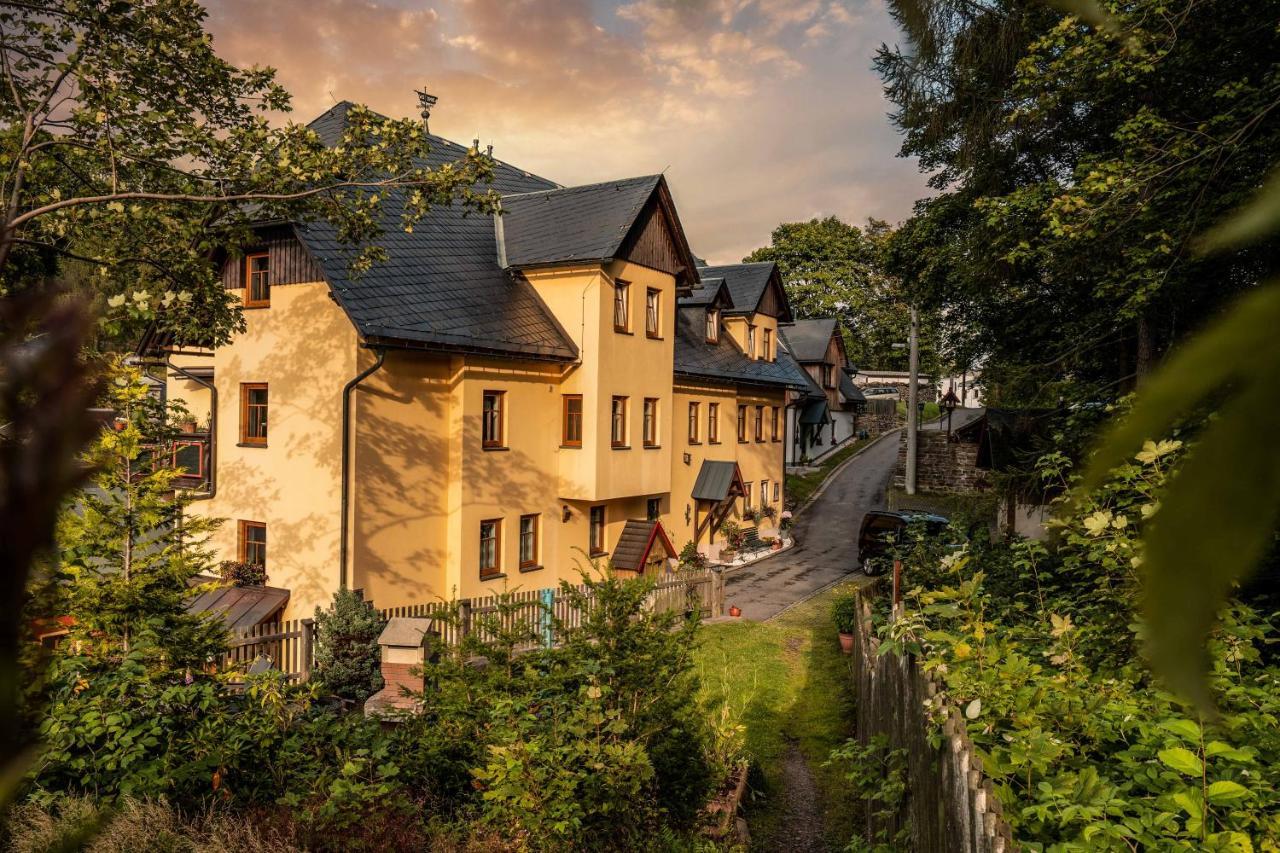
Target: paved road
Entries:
(827, 532)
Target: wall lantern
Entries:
(688, 458)
(565, 513)
(688, 514)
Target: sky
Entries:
(758, 111)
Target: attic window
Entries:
(713, 325)
(257, 280)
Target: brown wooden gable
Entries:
(835, 349)
(290, 261)
(656, 240)
(773, 302)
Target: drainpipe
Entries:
(213, 427)
(346, 461)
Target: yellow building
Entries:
(499, 403)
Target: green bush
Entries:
(347, 657)
(844, 612)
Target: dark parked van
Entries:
(882, 529)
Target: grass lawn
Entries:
(932, 411)
(800, 487)
(787, 683)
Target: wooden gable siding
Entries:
(771, 301)
(290, 262)
(653, 245)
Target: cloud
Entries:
(762, 110)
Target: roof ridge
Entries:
(571, 187)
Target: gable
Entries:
(773, 301)
(289, 260)
(657, 240)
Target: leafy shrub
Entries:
(347, 656)
(691, 558)
(877, 776)
(844, 612)
(733, 534)
(1042, 648)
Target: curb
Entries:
(827, 480)
(819, 591)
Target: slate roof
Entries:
(808, 339)
(586, 223)
(636, 542)
(441, 285)
(714, 479)
(707, 292)
(723, 360)
(241, 606)
(851, 392)
(746, 282)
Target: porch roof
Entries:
(715, 479)
(241, 606)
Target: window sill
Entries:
(594, 554)
(254, 306)
(495, 447)
(571, 447)
(494, 577)
(250, 444)
(654, 337)
(620, 446)
(653, 447)
(618, 331)
(527, 569)
(693, 443)
(714, 442)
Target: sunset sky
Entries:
(759, 111)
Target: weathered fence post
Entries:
(464, 614)
(717, 593)
(307, 651)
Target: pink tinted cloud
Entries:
(761, 111)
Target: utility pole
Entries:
(913, 397)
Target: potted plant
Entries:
(844, 612)
(691, 559)
(733, 536)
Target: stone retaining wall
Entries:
(951, 805)
(941, 465)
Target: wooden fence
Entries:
(950, 804)
(538, 616)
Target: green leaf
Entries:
(1183, 760)
(1215, 522)
(1226, 791)
(1184, 728)
(1254, 221)
(1190, 804)
(1218, 748)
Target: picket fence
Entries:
(539, 615)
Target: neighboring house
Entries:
(502, 399)
(818, 347)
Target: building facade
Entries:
(503, 403)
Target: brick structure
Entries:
(878, 417)
(942, 465)
(403, 641)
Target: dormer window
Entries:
(767, 354)
(751, 341)
(713, 325)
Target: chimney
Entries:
(425, 103)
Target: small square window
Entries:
(653, 508)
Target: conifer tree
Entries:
(347, 652)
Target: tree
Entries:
(131, 154)
(347, 652)
(1078, 165)
(833, 269)
(129, 556)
